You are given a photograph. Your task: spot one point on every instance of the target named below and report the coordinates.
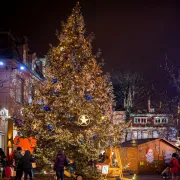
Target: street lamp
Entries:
(22, 68)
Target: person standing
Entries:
(59, 164)
(2, 157)
(33, 166)
(27, 161)
(174, 167)
(18, 168)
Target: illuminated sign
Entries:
(105, 169)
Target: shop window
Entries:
(129, 136)
(144, 134)
(139, 135)
(19, 90)
(155, 134)
(134, 135)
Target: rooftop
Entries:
(136, 142)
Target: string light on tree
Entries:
(73, 98)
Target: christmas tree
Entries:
(72, 109)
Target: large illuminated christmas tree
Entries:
(72, 109)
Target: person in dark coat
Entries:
(59, 164)
(27, 164)
(2, 162)
(18, 167)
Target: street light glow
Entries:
(22, 67)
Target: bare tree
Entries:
(130, 89)
(173, 103)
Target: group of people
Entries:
(23, 164)
(21, 161)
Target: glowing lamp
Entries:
(1, 63)
(22, 68)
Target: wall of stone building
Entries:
(4, 107)
(8, 83)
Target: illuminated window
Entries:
(134, 135)
(155, 134)
(139, 135)
(19, 90)
(144, 134)
(129, 136)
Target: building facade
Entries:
(19, 69)
(151, 125)
(148, 125)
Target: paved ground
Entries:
(139, 177)
(147, 177)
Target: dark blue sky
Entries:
(132, 34)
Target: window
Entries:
(24, 56)
(139, 135)
(155, 134)
(164, 120)
(30, 93)
(19, 90)
(157, 121)
(143, 121)
(129, 136)
(134, 135)
(140, 120)
(135, 120)
(150, 134)
(2, 141)
(144, 134)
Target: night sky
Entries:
(134, 35)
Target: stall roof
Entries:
(136, 142)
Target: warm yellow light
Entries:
(61, 48)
